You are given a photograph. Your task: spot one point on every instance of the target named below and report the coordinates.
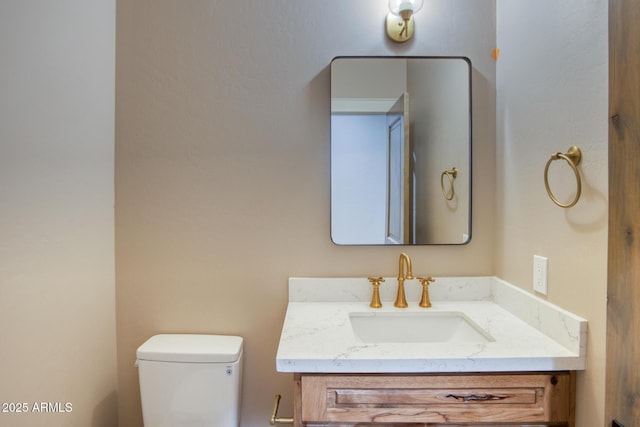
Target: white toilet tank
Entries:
(190, 380)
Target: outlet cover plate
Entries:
(540, 269)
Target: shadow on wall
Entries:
(105, 414)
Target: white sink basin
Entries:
(416, 327)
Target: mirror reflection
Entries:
(400, 150)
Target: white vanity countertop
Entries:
(317, 336)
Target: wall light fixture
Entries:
(400, 22)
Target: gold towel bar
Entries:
(452, 174)
(573, 157)
(274, 416)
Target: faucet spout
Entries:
(401, 301)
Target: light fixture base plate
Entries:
(395, 28)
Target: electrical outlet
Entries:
(540, 268)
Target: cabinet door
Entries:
(535, 398)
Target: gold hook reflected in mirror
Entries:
(573, 157)
(452, 174)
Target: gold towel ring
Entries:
(573, 157)
(452, 175)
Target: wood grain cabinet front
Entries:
(438, 399)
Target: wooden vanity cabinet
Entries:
(511, 399)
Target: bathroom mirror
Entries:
(400, 150)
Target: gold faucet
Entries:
(401, 301)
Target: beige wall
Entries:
(552, 93)
(222, 167)
(57, 285)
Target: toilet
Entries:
(189, 380)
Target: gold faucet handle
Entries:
(375, 298)
(425, 281)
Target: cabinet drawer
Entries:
(452, 398)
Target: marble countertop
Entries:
(529, 333)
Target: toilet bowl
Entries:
(189, 380)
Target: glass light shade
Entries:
(397, 6)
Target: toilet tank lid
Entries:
(192, 348)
